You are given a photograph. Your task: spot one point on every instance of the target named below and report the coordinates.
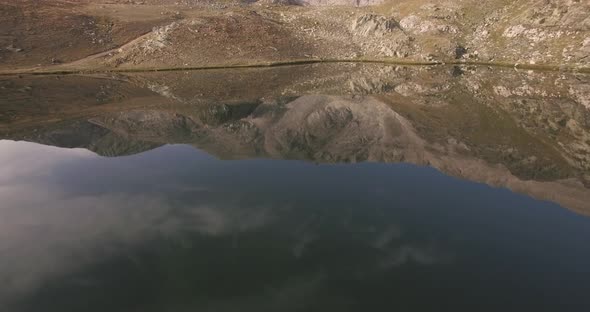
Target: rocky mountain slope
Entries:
(164, 33)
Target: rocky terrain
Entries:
(320, 81)
(115, 34)
(527, 131)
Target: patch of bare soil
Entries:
(213, 39)
(36, 33)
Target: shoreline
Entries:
(73, 71)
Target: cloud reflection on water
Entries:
(49, 229)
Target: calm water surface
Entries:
(328, 191)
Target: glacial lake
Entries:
(301, 188)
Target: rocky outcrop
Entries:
(373, 25)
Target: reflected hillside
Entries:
(527, 131)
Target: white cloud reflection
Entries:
(45, 231)
(48, 229)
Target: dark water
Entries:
(360, 196)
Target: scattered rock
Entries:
(11, 48)
(460, 51)
(373, 25)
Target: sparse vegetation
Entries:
(130, 35)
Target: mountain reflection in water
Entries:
(285, 221)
